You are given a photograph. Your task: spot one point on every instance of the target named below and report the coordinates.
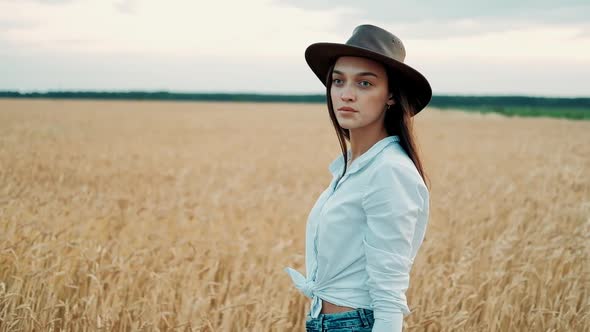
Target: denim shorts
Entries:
(358, 320)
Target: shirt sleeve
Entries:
(392, 203)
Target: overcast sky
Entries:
(463, 47)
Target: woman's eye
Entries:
(336, 81)
(365, 83)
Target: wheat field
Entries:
(180, 216)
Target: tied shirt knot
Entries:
(304, 285)
(307, 287)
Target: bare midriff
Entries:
(329, 308)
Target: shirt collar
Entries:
(337, 164)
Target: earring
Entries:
(388, 106)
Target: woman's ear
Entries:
(390, 101)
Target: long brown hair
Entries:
(398, 121)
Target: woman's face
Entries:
(360, 84)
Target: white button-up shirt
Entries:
(363, 234)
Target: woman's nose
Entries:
(347, 93)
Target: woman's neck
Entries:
(362, 140)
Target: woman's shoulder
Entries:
(394, 158)
(394, 164)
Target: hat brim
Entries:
(320, 56)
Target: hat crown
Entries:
(378, 40)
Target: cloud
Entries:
(404, 11)
(457, 17)
(43, 2)
(12, 24)
(255, 27)
(126, 6)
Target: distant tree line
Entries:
(164, 95)
(437, 100)
(509, 101)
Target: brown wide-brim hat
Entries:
(375, 43)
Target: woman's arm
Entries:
(392, 202)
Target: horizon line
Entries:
(295, 94)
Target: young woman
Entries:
(365, 229)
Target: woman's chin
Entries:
(347, 125)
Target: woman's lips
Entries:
(347, 109)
